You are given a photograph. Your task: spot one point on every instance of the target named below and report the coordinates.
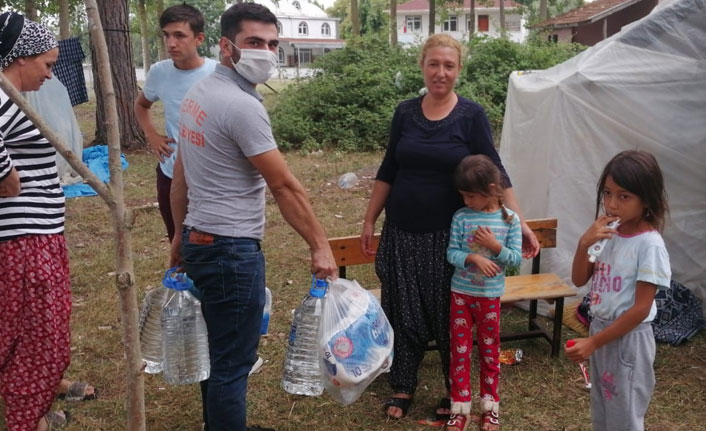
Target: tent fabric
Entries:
(52, 104)
(643, 88)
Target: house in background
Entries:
(593, 22)
(413, 20)
(305, 31)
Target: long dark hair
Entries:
(639, 173)
(475, 174)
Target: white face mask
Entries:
(255, 65)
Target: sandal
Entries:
(444, 404)
(77, 392)
(57, 419)
(457, 423)
(490, 421)
(401, 403)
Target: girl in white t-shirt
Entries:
(624, 281)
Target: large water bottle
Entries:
(266, 311)
(302, 375)
(184, 336)
(151, 329)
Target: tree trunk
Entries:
(432, 16)
(161, 48)
(393, 22)
(64, 19)
(144, 36)
(543, 10)
(123, 219)
(31, 10)
(502, 17)
(355, 18)
(472, 30)
(114, 16)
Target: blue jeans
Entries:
(230, 275)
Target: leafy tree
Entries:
(373, 17)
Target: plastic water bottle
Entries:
(151, 329)
(348, 180)
(184, 340)
(266, 312)
(597, 248)
(302, 373)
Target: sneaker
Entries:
(256, 366)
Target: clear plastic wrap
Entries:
(355, 341)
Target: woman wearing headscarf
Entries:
(34, 271)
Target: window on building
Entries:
(413, 23)
(325, 29)
(303, 29)
(469, 23)
(280, 55)
(512, 23)
(279, 28)
(297, 5)
(304, 55)
(483, 23)
(553, 38)
(450, 24)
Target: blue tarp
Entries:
(97, 160)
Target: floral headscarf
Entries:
(20, 37)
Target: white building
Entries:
(413, 20)
(305, 31)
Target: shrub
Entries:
(349, 102)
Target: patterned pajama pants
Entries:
(35, 304)
(484, 313)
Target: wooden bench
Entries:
(531, 287)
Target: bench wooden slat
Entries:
(528, 287)
(346, 250)
(535, 286)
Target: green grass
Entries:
(541, 393)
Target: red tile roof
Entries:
(587, 13)
(424, 5)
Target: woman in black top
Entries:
(429, 136)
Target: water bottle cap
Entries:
(318, 287)
(176, 280)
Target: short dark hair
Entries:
(183, 13)
(239, 12)
(639, 173)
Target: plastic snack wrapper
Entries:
(355, 341)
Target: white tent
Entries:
(644, 88)
(53, 104)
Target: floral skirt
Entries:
(35, 300)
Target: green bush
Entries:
(486, 73)
(349, 103)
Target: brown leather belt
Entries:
(200, 238)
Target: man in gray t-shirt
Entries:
(227, 156)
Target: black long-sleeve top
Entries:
(421, 158)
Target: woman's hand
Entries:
(486, 266)
(486, 238)
(597, 231)
(581, 350)
(530, 245)
(366, 239)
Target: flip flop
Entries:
(77, 392)
(401, 403)
(444, 404)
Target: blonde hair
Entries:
(441, 40)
